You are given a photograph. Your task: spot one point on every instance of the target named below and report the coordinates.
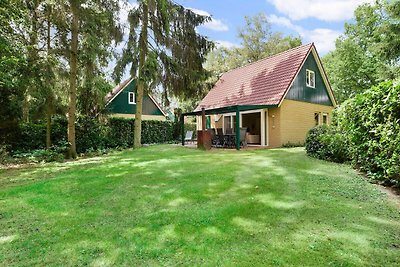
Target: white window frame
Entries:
(327, 118)
(309, 74)
(129, 98)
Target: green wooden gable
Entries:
(120, 103)
(300, 92)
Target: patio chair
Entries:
(229, 131)
(243, 141)
(214, 137)
(189, 136)
(220, 140)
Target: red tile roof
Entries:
(116, 90)
(263, 82)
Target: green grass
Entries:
(168, 205)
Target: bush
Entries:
(371, 121)
(327, 143)
(366, 131)
(37, 155)
(4, 155)
(314, 143)
(90, 134)
(28, 140)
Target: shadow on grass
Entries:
(167, 206)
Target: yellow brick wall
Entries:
(297, 118)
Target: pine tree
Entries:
(164, 49)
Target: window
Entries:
(325, 118)
(230, 122)
(310, 78)
(316, 118)
(131, 98)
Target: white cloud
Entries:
(226, 44)
(214, 24)
(323, 38)
(332, 10)
(125, 7)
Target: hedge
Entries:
(91, 134)
(327, 143)
(368, 126)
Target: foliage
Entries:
(371, 121)
(165, 49)
(366, 131)
(313, 141)
(92, 135)
(368, 52)
(166, 205)
(12, 65)
(257, 42)
(328, 143)
(38, 155)
(293, 144)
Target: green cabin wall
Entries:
(300, 92)
(120, 104)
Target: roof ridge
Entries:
(260, 60)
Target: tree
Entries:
(87, 31)
(368, 51)
(258, 41)
(164, 49)
(12, 65)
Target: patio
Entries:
(239, 126)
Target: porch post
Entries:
(237, 128)
(263, 128)
(203, 120)
(183, 129)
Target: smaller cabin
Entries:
(121, 102)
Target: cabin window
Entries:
(316, 118)
(325, 118)
(131, 98)
(310, 78)
(230, 123)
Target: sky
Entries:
(318, 21)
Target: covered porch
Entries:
(230, 120)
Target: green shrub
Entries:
(90, 134)
(327, 143)
(120, 132)
(38, 155)
(366, 130)
(371, 121)
(313, 142)
(4, 155)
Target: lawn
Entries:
(168, 205)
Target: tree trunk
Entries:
(73, 62)
(48, 126)
(32, 58)
(140, 88)
(49, 100)
(25, 107)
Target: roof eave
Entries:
(229, 109)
